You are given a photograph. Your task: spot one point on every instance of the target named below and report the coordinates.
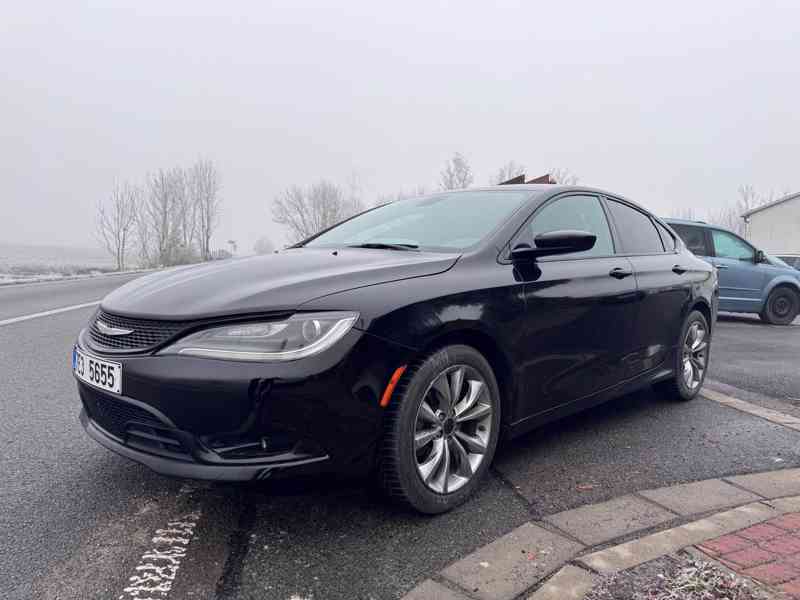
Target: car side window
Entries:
(693, 237)
(639, 235)
(727, 245)
(581, 212)
(666, 237)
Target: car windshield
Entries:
(450, 221)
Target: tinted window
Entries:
(666, 237)
(584, 213)
(447, 221)
(727, 245)
(693, 237)
(639, 235)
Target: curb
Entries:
(563, 555)
(543, 561)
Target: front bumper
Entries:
(224, 420)
(192, 469)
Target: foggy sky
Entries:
(674, 104)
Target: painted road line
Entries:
(158, 566)
(48, 313)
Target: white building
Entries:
(775, 227)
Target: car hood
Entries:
(274, 282)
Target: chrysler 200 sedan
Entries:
(402, 343)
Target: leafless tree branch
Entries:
(116, 221)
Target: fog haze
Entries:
(674, 105)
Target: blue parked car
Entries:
(750, 281)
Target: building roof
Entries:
(771, 204)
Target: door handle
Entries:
(721, 266)
(679, 270)
(620, 273)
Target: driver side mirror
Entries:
(760, 257)
(564, 241)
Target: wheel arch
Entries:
(702, 305)
(484, 343)
(783, 281)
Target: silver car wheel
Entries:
(452, 428)
(695, 355)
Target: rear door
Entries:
(579, 309)
(741, 279)
(663, 280)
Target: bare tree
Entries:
(508, 171)
(730, 215)
(161, 218)
(687, 213)
(563, 176)
(415, 192)
(263, 246)
(457, 174)
(306, 211)
(116, 221)
(203, 183)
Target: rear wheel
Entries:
(441, 430)
(691, 359)
(782, 306)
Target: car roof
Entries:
(552, 189)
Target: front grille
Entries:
(145, 333)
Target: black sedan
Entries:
(400, 343)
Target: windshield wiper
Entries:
(385, 246)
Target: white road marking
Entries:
(159, 565)
(48, 313)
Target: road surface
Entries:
(77, 520)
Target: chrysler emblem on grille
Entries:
(107, 329)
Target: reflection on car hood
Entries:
(274, 282)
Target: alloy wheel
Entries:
(452, 428)
(695, 355)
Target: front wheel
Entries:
(441, 430)
(782, 306)
(691, 361)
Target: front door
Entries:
(741, 279)
(579, 310)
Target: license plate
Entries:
(100, 373)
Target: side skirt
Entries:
(626, 387)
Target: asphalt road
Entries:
(76, 519)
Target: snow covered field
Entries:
(21, 263)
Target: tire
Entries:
(458, 434)
(782, 306)
(678, 387)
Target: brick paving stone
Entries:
(795, 559)
(784, 546)
(725, 545)
(792, 588)
(774, 572)
(790, 522)
(749, 557)
(761, 532)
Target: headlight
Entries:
(302, 335)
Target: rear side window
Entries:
(584, 213)
(639, 235)
(693, 237)
(666, 237)
(727, 245)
